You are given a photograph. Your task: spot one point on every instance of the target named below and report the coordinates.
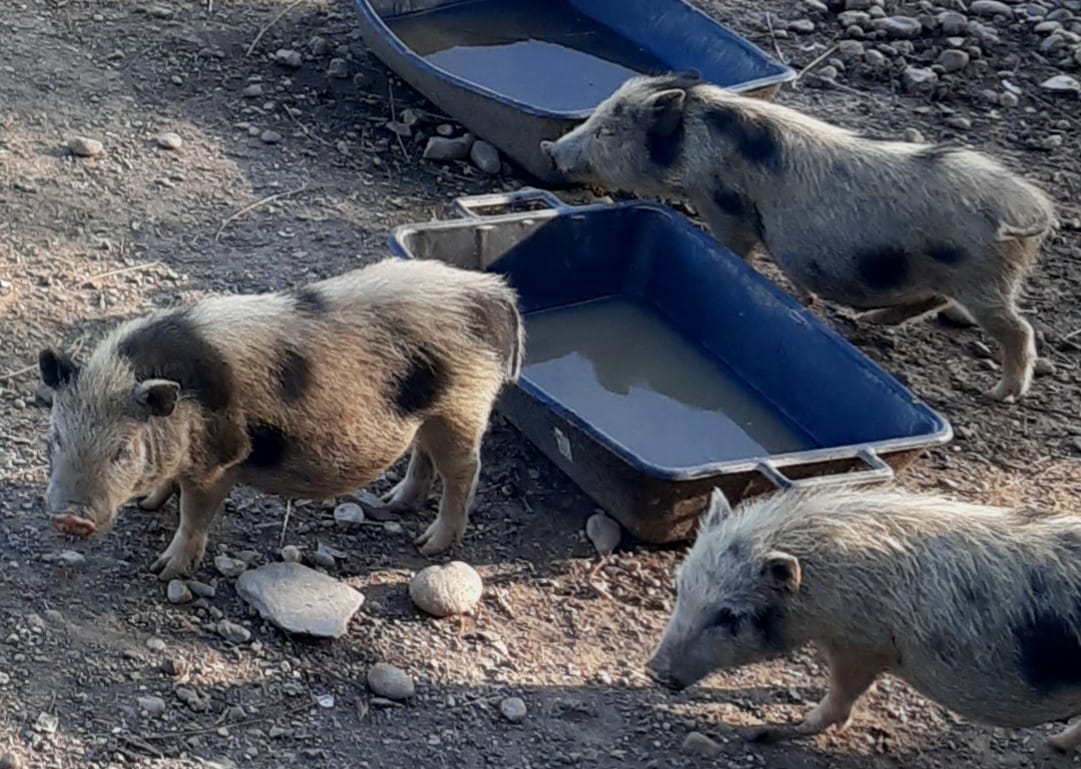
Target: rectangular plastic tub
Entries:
(660, 365)
(516, 72)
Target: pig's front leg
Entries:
(199, 503)
(851, 674)
(157, 498)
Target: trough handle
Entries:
(877, 470)
(467, 206)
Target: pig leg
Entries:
(1068, 739)
(895, 316)
(851, 674)
(198, 506)
(157, 498)
(1002, 321)
(412, 491)
(455, 452)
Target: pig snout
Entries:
(566, 158)
(70, 516)
(659, 668)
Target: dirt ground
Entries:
(87, 242)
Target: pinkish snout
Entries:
(73, 525)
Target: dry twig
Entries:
(252, 206)
(273, 21)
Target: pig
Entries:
(900, 230)
(978, 608)
(308, 393)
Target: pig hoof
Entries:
(171, 564)
(1003, 392)
(437, 538)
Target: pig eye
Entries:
(728, 619)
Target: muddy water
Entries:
(625, 370)
(541, 52)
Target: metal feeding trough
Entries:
(516, 72)
(659, 365)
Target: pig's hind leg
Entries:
(454, 448)
(412, 491)
(199, 505)
(1069, 739)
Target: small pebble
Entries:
(155, 644)
(291, 554)
(952, 60)
(232, 632)
(178, 592)
(485, 157)
(513, 709)
(270, 137)
(445, 129)
(322, 558)
(84, 147)
(392, 528)
(960, 122)
(338, 69)
(445, 589)
(386, 680)
(698, 744)
(170, 140)
(252, 91)
(1062, 84)
(229, 567)
(202, 589)
(152, 706)
(288, 58)
(919, 79)
(443, 149)
(1044, 367)
(802, 26)
(71, 558)
(603, 532)
(913, 136)
(349, 513)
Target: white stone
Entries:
(300, 600)
(443, 590)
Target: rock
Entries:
(291, 554)
(374, 507)
(802, 26)
(990, 8)
(322, 558)
(485, 157)
(1061, 84)
(513, 709)
(170, 140)
(952, 23)
(10, 761)
(698, 744)
(252, 91)
(953, 60)
(46, 723)
(854, 19)
(232, 632)
(178, 592)
(160, 11)
(338, 69)
(393, 683)
(270, 137)
(443, 149)
(393, 528)
(155, 644)
(919, 79)
(445, 589)
(229, 567)
(399, 129)
(877, 59)
(318, 46)
(603, 532)
(197, 701)
(960, 122)
(857, 5)
(445, 129)
(201, 589)
(816, 6)
(152, 706)
(288, 58)
(71, 558)
(349, 513)
(913, 136)
(83, 147)
(300, 600)
(1008, 100)
(899, 26)
(850, 49)
(1044, 367)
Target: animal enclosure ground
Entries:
(288, 173)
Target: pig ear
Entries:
(666, 110)
(156, 397)
(782, 571)
(57, 369)
(719, 510)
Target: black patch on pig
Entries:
(945, 253)
(228, 442)
(419, 384)
(664, 146)
(815, 268)
(310, 302)
(171, 347)
(57, 369)
(268, 446)
(768, 622)
(756, 141)
(1048, 653)
(882, 269)
(736, 549)
(294, 375)
(495, 323)
(739, 206)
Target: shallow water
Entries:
(541, 52)
(625, 370)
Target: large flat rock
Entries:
(300, 600)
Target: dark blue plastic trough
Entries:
(857, 423)
(516, 72)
